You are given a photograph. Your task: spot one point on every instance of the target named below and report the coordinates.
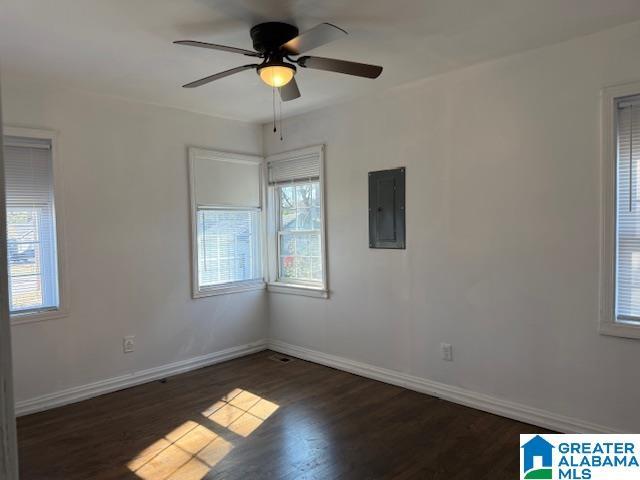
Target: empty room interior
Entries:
(290, 239)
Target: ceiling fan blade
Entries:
(219, 75)
(318, 35)
(213, 46)
(290, 91)
(341, 66)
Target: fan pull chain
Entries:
(281, 139)
(273, 101)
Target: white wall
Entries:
(126, 221)
(502, 232)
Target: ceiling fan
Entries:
(276, 43)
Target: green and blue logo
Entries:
(580, 457)
(537, 459)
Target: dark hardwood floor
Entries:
(257, 418)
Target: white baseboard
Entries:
(83, 392)
(497, 406)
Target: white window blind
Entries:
(31, 229)
(303, 168)
(221, 179)
(228, 246)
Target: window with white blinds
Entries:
(226, 204)
(228, 246)
(628, 210)
(297, 211)
(31, 226)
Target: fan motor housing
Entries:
(268, 37)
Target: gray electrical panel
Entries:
(387, 209)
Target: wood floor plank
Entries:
(256, 418)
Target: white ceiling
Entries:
(123, 47)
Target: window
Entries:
(226, 222)
(299, 253)
(628, 211)
(32, 251)
(620, 276)
(228, 242)
(297, 233)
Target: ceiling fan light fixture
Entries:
(276, 74)
(274, 43)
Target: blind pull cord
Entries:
(204, 243)
(631, 160)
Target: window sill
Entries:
(226, 289)
(620, 329)
(306, 291)
(34, 317)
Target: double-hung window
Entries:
(620, 276)
(296, 240)
(32, 247)
(226, 208)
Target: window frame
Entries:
(297, 287)
(609, 324)
(197, 291)
(42, 314)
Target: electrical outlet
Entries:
(128, 343)
(447, 352)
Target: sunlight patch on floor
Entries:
(191, 450)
